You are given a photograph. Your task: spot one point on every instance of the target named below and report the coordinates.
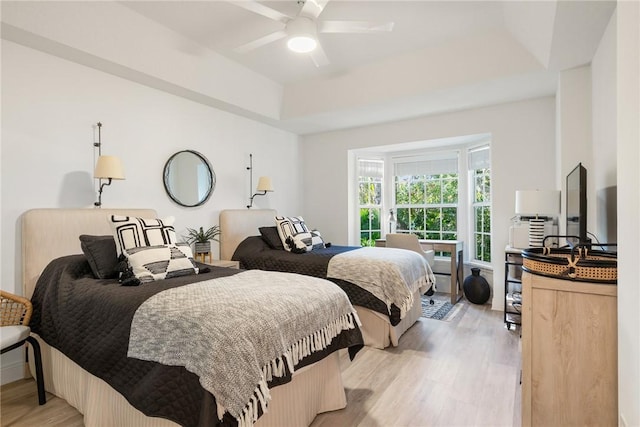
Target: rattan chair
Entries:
(409, 242)
(15, 313)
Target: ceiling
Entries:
(223, 26)
(441, 55)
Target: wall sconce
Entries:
(264, 183)
(107, 167)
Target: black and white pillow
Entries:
(131, 232)
(151, 263)
(294, 234)
(316, 240)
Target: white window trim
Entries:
(471, 257)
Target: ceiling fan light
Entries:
(302, 35)
(302, 44)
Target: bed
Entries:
(382, 325)
(180, 398)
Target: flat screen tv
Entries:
(577, 206)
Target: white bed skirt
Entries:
(378, 332)
(314, 389)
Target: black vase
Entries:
(476, 288)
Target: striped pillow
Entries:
(294, 234)
(130, 232)
(151, 263)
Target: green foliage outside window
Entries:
(370, 201)
(482, 214)
(426, 205)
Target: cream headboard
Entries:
(51, 233)
(238, 224)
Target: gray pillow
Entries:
(100, 252)
(271, 237)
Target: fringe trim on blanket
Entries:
(317, 341)
(405, 306)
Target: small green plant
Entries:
(201, 236)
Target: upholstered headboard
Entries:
(238, 224)
(51, 233)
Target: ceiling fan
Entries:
(302, 30)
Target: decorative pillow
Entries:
(130, 232)
(271, 237)
(151, 263)
(100, 251)
(316, 240)
(294, 234)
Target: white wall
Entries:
(628, 132)
(603, 173)
(522, 150)
(49, 109)
(573, 135)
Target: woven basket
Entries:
(572, 264)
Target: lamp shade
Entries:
(537, 202)
(108, 167)
(264, 184)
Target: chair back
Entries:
(409, 242)
(14, 309)
(404, 241)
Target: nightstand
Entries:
(224, 263)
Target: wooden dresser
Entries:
(569, 353)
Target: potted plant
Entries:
(202, 238)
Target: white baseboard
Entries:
(12, 372)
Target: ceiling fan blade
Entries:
(313, 8)
(269, 38)
(319, 57)
(354, 27)
(260, 9)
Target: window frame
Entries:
(473, 205)
(373, 234)
(426, 155)
(426, 179)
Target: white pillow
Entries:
(130, 232)
(151, 263)
(316, 240)
(294, 234)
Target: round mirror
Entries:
(188, 178)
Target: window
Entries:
(480, 173)
(426, 196)
(426, 205)
(370, 175)
(437, 194)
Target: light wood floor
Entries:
(464, 372)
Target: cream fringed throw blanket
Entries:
(238, 332)
(392, 275)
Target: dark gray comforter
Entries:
(89, 321)
(254, 253)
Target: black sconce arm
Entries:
(99, 202)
